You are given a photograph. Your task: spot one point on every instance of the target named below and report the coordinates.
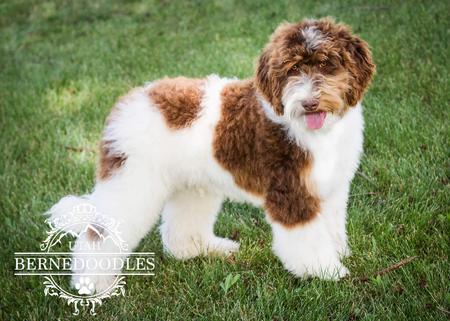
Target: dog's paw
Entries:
(344, 251)
(334, 270)
(187, 249)
(222, 246)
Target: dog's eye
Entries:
(295, 67)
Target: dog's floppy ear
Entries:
(263, 76)
(270, 73)
(361, 67)
(267, 81)
(262, 73)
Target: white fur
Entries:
(175, 172)
(308, 250)
(313, 37)
(188, 225)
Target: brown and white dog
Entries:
(289, 139)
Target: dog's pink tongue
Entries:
(315, 120)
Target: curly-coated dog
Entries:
(289, 139)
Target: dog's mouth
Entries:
(315, 120)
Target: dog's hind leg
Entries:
(133, 198)
(187, 229)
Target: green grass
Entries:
(64, 63)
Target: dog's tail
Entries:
(65, 208)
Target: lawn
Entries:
(64, 63)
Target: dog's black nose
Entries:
(310, 104)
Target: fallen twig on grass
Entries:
(365, 194)
(80, 149)
(388, 269)
(443, 310)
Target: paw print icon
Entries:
(84, 286)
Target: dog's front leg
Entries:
(301, 235)
(308, 249)
(335, 215)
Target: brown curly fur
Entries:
(178, 99)
(261, 158)
(109, 161)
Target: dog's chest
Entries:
(325, 174)
(334, 163)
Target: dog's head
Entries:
(314, 71)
